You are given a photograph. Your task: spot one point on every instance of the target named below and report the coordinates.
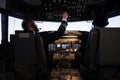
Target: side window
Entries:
(13, 25)
(114, 22)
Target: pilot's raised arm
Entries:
(57, 34)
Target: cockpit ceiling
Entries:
(50, 10)
(33, 2)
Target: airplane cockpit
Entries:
(88, 49)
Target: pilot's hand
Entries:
(65, 16)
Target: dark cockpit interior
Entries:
(76, 55)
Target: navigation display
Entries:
(52, 47)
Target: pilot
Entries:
(29, 25)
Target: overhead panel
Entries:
(54, 9)
(51, 10)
